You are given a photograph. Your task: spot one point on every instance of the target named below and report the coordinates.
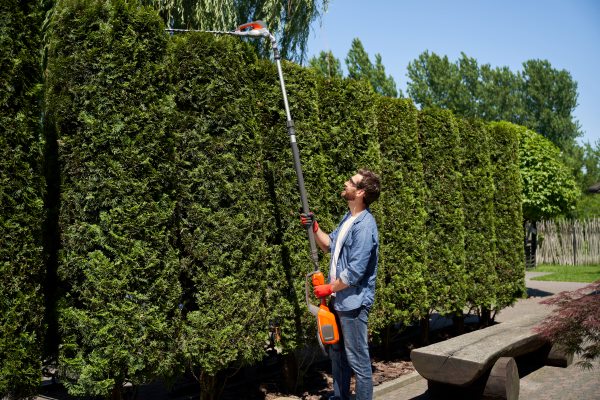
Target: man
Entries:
(353, 268)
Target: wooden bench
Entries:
(481, 364)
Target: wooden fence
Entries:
(568, 242)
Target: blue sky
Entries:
(500, 33)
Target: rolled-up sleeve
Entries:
(359, 255)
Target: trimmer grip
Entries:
(318, 279)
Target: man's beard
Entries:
(348, 195)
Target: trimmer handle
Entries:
(319, 279)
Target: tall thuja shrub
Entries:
(221, 206)
(288, 241)
(107, 97)
(401, 290)
(349, 137)
(510, 266)
(445, 272)
(478, 206)
(21, 199)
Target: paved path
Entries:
(546, 383)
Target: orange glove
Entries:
(323, 290)
(308, 219)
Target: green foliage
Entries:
(401, 277)
(360, 67)
(327, 65)
(549, 189)
(180, 242)
(107, 96)
(588, 206)
(550, 97)
(21, 200)
(510, 265)
(289, 21)
(478, 206)
(445, 273)
(221, 204)
(541, 98)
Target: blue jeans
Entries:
(351, 353)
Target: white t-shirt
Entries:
(338, 245)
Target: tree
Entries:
(288, 20)
(541, 97)
(382, 84)
(549, 188)
(360, 67)
(550, 97)
(327, 65)
(432, 81)
(575, 323)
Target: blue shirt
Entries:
(357, 263)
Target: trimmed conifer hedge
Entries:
(21, 200)
(180, 245)
(401, 285)
(478, 206)
(222, 205)
(510, 258)
(445, 273)
(108, 98)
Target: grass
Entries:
(569, 273)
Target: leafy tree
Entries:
(360, 67)
(549, 188)
(433, 80)
(327, 65)
(288, 20)
(541, 97)
(550, 97)
(500, 92)
(574, 323)
(21, 200)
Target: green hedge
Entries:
(222, 212)
(510, 258)
(445, 273)
(21, 199)
(478, 206)
(109, 101)
(180, 245)
(401, 285)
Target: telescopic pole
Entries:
(296, 154)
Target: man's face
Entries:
(350, 187)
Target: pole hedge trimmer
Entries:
(327, 327)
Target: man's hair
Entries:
(371, 184)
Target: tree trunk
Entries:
(424, 323)
(485, 318)
(116, 393)
(290, 372)
(458, 321)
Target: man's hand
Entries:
(308, 219)
(323, 290)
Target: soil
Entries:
(321, 383)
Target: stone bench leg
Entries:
(503, 382)
(558, 357)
